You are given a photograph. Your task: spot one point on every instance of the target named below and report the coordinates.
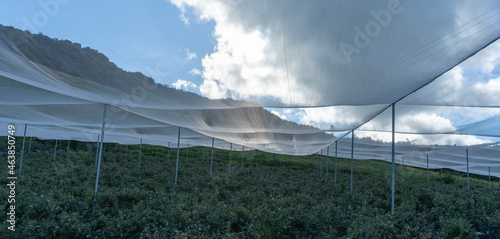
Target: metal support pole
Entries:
(403, 168)
(22, 150)
(393, 185)
(380, 168)
(230, 152)
(352, 158)
(168, 151)
(55, 150)
(441, 174)
(467, 156)
(336, 162)
(126, 150)
(316, 159)
(489, 177)
(242, 156)
(67, 150)
(256, 160)
(315, 162)
(253, 152)
(203, 154)
(427, 169)
(29, 148)
(327, 153)
(97, 149)
(187, 153)
(212, 157)
(100, 151)
(177, 162)
(321, 164)
(140, 153)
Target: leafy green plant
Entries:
(264, 200)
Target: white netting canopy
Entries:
(288, 77)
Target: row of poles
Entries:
(393, 146)
(100, 139)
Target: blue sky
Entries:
(154, 39)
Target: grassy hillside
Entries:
(282, 197)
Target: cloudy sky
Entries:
(309, 63)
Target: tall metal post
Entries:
(67, 150)
(187, 153)
(126, 150)
(168, 151)
(489, 177)
(203, 154)
(321, 164)
(140, 153)
(385, 166)
(242, 156)
(97, 149)
(427, 169)
(467, 156)
(403, 168)
(22, 150)
(100, 151)
(29, 148)
(441, 174)
(327, 153)
(230, 152)
(212, 157)
(251, 156)
(352, 158)
(177, 162)
(315, 162)
(336, 162)
(55, 150)
(256, 160)
(393, 186)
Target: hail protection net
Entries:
(288, 77)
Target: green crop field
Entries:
(270, 197)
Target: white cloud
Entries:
(195, 72)
(282, 116)
(213, 90)
(191, 55)
(424, 122)
(489, 90)
(254, 38)
(184, 19)
(179, 84)
(339, 118)
(487, 59)
(288, 111)
(440, 139)
(183, 16)
(249, 61)
(421, 127)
